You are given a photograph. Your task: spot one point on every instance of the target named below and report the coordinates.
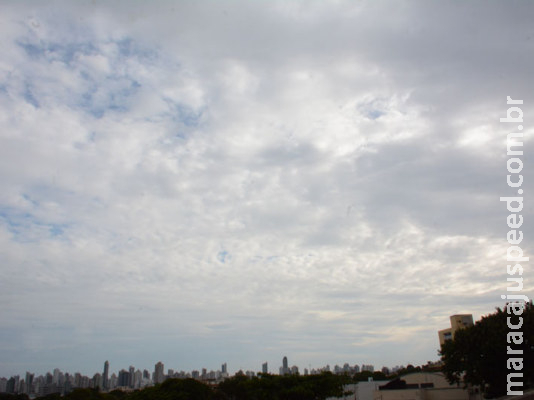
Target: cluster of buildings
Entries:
(131, 378)
(346, 369)
(126, 379)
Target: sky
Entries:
(200, 182)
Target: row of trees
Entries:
(265, 386)
(239, 387)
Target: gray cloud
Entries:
(238, 182)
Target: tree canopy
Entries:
(479, 355)
(239, 387)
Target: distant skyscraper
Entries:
(113, 381)
(265, 368)
(29, 383)
(138, 378)
(10, 386)
(55, 379)
(97, 380)
(369, 368)
(224, 369)
(131, 376)
(285, 368)
(124, 378)
(158, 373)
(105, 376)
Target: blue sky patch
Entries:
(29, 97)
(223, 256)
(374, 114)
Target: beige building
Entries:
(458, 321)
(421, 386)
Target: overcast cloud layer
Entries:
(209, 182)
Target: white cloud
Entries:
(315, 179)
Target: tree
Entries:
(478, 354)
(286, 387)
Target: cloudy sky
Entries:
(208, 182)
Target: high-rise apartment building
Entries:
(159, 376)
(29, 383)
(105, 376)
(124, 378)
(55, 378)
(368, 367)
(265, 368)
(458, 321)
(97, 380)
(285, 367)
(131, 376)
(138, 379)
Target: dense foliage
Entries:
(287, 387)
(239, 387)
(365, 375)
(478, 355)
(9, 396)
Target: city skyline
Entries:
(223, 369)
(159, 373)
(65, 382)
(206, 182)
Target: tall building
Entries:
(224, 368)
(10, 386)
(124, 378)
(97, 380)
(369, 368)
(105, 376)
(138, 379)
(55, 379)
(285, 367)
(29, 383)
(131, 376)
(113, 381)
(265, 368)
(458, 321)
(159, 377)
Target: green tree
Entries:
(478, 355)
(287, 387)
(10, 396)
(175, 389)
